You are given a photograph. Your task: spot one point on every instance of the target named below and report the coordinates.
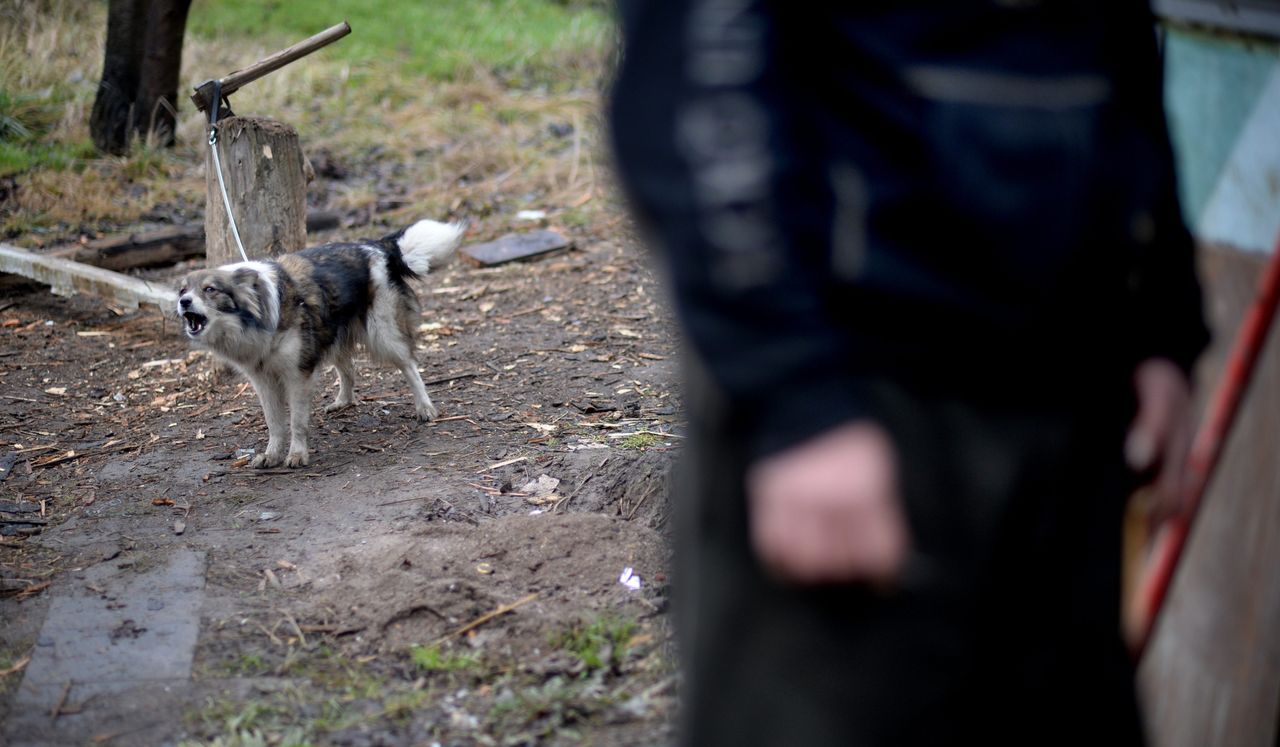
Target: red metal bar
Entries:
(1210, 439)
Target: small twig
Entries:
(18, 666)
(62, 701)
(270, 635)
(447, 379)
(644, 433)
(631, 514)
(504, 463)
(481, 620)
(565, 500)
(296, 628)
(525, 312)
(32, 590)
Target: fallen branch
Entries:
(165, 246)
(481, 620)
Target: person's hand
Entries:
(828, 510)
(1160, 437)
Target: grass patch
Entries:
(248, 725)
(445, 40)
(248, 664)
(640, 441)
(433, 659)
(598, 644)
(461, 103)
(333, 673)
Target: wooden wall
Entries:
(1212, 673)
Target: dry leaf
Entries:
(162, 502)
(59, 390)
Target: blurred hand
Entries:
(828, 510)
(1160, 436)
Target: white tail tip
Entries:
(426, 243)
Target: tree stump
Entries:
(264, 169)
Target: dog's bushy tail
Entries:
(427, 243)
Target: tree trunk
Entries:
(111, 121)
(155, 112)
(262, 164)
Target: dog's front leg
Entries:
(299, 422)
(271, 394)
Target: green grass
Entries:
(435, 40)
(249, 665)
(640, 441)
(433, 659)
(598, 644)
(24, 121)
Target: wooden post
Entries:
(264, 169)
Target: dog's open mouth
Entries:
(195, 322)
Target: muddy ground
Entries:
(351, 601)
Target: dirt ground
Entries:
(352, 601)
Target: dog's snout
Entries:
(185, 302)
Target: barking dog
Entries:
(280, 320)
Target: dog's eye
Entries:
(210, 289)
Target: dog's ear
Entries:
(248, 292)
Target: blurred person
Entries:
(941, 311)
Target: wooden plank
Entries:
(1211, 675)
(515, 246)
(66, 278)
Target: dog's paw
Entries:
(427, 412)
(336, 406)
(265, 460)
(297, 459)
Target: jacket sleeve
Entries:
(704, 151)
(1168, 316)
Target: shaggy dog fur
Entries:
(278, 321)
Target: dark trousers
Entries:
(1005, 629)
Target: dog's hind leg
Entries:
(271, 394)
(400, 353)
(299, 421)
(422, 401)
(346, 383)
(390, 339)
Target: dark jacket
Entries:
(974, 197)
